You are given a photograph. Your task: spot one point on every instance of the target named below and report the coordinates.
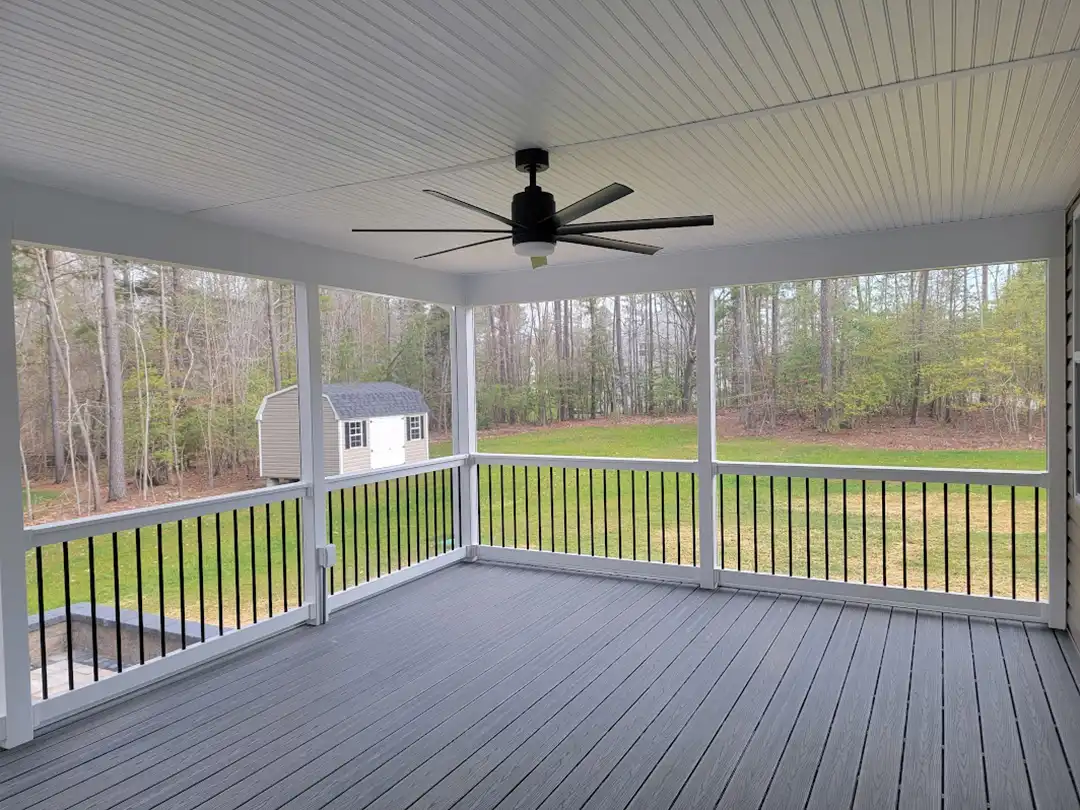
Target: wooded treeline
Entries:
(937, 344)
(156, 372)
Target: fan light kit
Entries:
(535, 226)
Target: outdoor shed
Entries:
(365, 426)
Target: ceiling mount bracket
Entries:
(531, 160)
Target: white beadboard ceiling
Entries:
(784, 118)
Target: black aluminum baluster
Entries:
(884, 547)
(577, 504)
(329, 533)
(825, 522)
(42, 652)
(284, 561)
(753, 496)
(738, 522)
(1012, 526)
(491, 507)
(502, 505)
(161, 590)
(355, 541)
(525, 469)
(945, 504)
(269, 563)
(183, 596)
(367, 536)
(663, 522)
(299, 555)
(863, 495)
(429, 518)
(790, 534)
(67, 617)
(693, 517)
(844, 484)
(416, 516)
(648, 520)
(990, 534)
(618, 507)
(539, 512)
(678, 523)
(772, 524)
(720, 499)
(592, 517)
(220, 576)
(93, 604)
(967, 532)
(807, 505)
(408, 523)
(254, 576)
(903, 526)
(459, 540)
(606, 554)
(633, 513)
(397, 513)
(925, 542)
(378, 535)
(1038, 555)
(116, 603)
(139, 595)
(565, 531)
(513, 486)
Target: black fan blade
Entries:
(636, 225)
(471, 207)
(461, 247)
(595, 201)
(612, 244)
(428, 230)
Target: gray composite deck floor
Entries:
(483, 686)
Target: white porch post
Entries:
(705, 315)
(1057, 496)
(309, 384)
(463, 348)
(15, 702)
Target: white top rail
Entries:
(47, 534)
(350, 480)
(926, 475)
(589, 462)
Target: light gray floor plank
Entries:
(526, 741)
(628, 761)
(1006, 775)
(1051, 781)
(320, 755)
(789, 619)
(770, 702)
(965, 778)
(879, 775)
(838, 769)
(521, 783)
(1061, 690)
(920, 781)
(199, 774)
(785, 771)
(612, 665)
(564, 690)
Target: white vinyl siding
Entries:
(279, 434)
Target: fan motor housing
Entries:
(534, 209)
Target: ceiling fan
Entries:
(535, 226)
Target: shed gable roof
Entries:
(373, 399)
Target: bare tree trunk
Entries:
(275, 349)
(114, 383)
(774, 354)
(52, 361)
(920, 328)
(620, 373)
(746, 368)
(826, 412)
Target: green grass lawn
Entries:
(639, 517)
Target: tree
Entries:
(826, 409)
(114, 383)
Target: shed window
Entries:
(355, 435)
(414, 427)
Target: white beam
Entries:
(15, 702)
(1057, 496)
(956, 244)
(49, 216)
(705, 365)
(463, 349)
(312, 469)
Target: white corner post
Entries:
(1057, 496)
(15, 703)
(463, 348)
(312, 469)
(705, 365)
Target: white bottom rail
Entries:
(366, 590)
(608, 566)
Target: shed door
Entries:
(387, 441)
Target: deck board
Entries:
(486, 686)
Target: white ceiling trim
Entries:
(954, 244)
(47, 216)
(689, 126)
